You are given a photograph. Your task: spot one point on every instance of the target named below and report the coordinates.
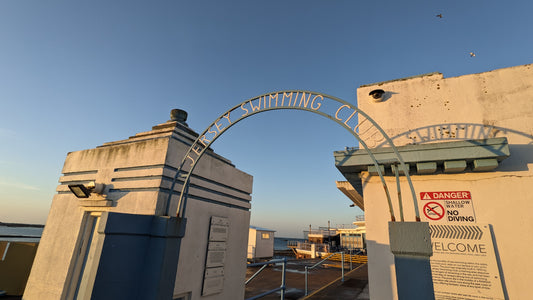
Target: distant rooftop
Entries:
(401, 79)
(261, 228)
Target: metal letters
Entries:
(335, 109)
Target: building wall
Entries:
(252, 234)
(193, 252)
(264, 247)
(430, 108)
(258, 247)
(138, 174)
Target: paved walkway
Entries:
(354, 287)
(324, 281)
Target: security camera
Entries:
(377, 95)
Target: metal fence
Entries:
(282, 287)
(319, 263)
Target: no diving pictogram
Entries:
(434, 211)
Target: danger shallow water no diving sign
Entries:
(447, 206)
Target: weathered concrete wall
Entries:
(138, 174)
(193, 254)
(430, 108)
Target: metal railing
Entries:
(308, 247)
(351, 253)
(292, 243)
(307, 268)
(264, 265)
(326, 232)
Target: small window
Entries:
(265, 236)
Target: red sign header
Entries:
(445, 195)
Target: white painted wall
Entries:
(262, 247)
(431, 108)
(252, 235)
(138, 173)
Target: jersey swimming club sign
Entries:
(283, 100)
(343, 113)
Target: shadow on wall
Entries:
(447, 132)
(380, 95)
(457, 131)
(470, 131)
(521, 151)
(116, 195)
(382, 255)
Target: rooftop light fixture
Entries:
(82, 191)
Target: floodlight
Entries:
(79, 190)
(82, 191)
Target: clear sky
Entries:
(77, 74)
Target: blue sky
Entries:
(74, 75)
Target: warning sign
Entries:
(448, 207)
(445, 195)
(434, 211)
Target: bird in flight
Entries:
(472, 54)
(439, 16)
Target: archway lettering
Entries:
(280, 100)
(343, 113)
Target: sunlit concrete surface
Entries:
(430, 108)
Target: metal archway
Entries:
(308, 101)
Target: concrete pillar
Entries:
(313, 250)
(87, 239)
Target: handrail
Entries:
(320, 262)
(264, 265)
(307, 268)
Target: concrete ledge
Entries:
(125, 224)
(426, 168)
(455, 166)
(400, 169)
(374, 171)
(483, 165)
(163, 226)
(95, 203)
(354, 161)
(147, 225)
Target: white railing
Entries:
(283, 286)
(326, 232)
(307, 268)
(318, 247)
